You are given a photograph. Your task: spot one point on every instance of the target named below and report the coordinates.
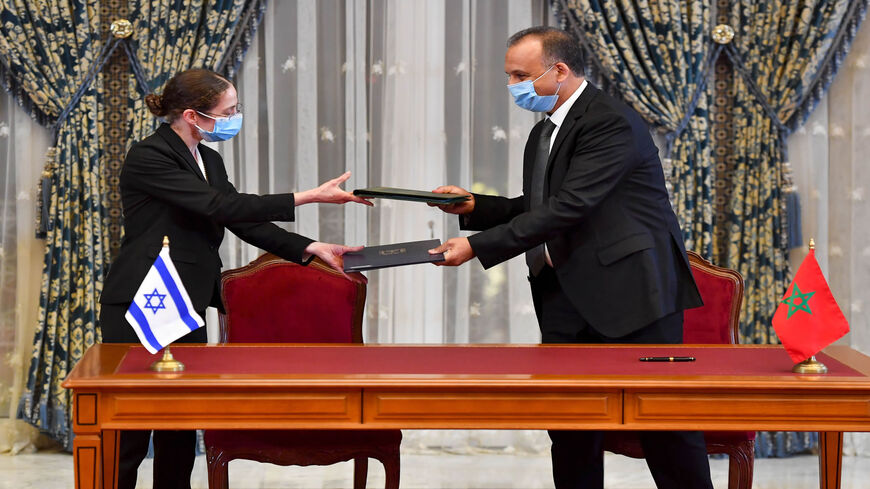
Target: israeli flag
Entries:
(161, 311)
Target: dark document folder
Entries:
(412, 195)
(394, 255)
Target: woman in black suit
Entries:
(171, 185)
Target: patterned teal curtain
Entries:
(47, 49)
(656, 54)
(50, 56)
(785, 55)
(175, 35)
(780, 52)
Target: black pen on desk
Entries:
(667, 359)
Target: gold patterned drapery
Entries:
(51, 56)
(657, 55)
(169, 38)
(784, 55)
(47, 51)
(782, 60)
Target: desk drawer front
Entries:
(780, 411)
(505, 410)
(215, 410)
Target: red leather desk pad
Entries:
(474, 360)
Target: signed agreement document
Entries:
(394, 255)
(412, 195)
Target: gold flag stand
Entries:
(168, 363)
(810, 365)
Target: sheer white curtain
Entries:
(406, 93)
(829, 159)
(22, 155)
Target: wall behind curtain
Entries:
(402, 93)
(828, 156)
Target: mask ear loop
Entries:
(204, 115)
(542, 75)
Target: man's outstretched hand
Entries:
(456, 252)
(464, 207)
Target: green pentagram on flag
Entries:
(797, 301)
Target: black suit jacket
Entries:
(613, 238)
(163, 193)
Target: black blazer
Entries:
(613, 238)
(163, 192)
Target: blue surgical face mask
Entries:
(224, 127)
(526, 97)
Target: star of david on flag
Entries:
(161, 311)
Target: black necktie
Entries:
(535, 257)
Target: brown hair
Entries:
(197, 89)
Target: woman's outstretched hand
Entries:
(331, 254)
(330, 192)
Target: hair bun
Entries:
(155, 104)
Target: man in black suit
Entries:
(606, 257)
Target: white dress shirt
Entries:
(198, 158)
(557, 118)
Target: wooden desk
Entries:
(457, 387)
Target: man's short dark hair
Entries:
(558, 46)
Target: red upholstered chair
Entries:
(272, 300)
(716, 322)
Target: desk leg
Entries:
(110, 458)
(830, 459)
(86, 461)
(95, 459)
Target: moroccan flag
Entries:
(808, 318)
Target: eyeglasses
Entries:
(238, 110)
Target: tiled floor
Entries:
(423, 471)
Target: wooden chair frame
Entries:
(268, 260)
(386, 451)
(741, 453)
(697, 261)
